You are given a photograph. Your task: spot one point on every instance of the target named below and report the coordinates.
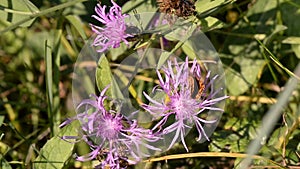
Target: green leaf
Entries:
(295, 44)
(52, 60)
(49, 82)
(290, 14)
(260, 7)
(78, 9)
(138, 17)
(235, 136)
(115, 52)
(296, 49)
(181, 31)
(272, 116)
(78, 25)
(210, 23)
(188, 50)
(57, 151)
(229, 141)
(103, 75)
(3, 163)
(293, 148)
(163, 58)
(14, 11)
(274, 34)
(206, 5)
(183, 34)
(244, 56)
(245, 75)
(139, 5)
(1, 120)
(292, 40)
(277, 138)
(116, 91)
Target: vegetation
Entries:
(258, 42)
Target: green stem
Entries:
(15, 12)
(277, 62)
(49, 83)
(56, 76)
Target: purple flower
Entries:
(114, 31)
(182, 100)
(111, 135)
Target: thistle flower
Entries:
(182, 101)
(111, 135)
(114, 31)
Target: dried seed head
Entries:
(181, 8)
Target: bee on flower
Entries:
(182, 103)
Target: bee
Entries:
(134, 31)
(201, 87)
(123, 163)
(196, 86)
(139, 37)
(133, 38)
(101, 154)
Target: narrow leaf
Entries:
(103, 75)
(139, 5)
(206, 5)
(210, 23)
(292, 40)
(14, 11)
(163, 58)
(1, 120)
(76, 22)
(49, 81)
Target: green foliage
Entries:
(103, 75)
(139, 5)
(258, 42)
(13, 11)
(4, 163)
(238, 133)
(56, 151)
(203, 6)
(1, 120)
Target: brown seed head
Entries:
(181, 8)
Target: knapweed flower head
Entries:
(111, 135)
(114, 30)
(189, 92)
(178, 7)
